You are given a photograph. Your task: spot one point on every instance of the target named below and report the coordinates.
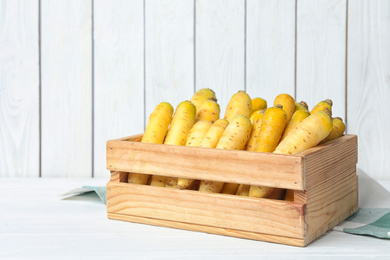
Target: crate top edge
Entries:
(301, 156)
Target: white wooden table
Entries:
(36, 224)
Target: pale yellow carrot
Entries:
(234, 137)
(208, 111)
(288, 104)
(239, 104)
(312, 130)
(297, 117)
(337, 129)
(271, 129)
(195, 136)
(201, 96)
(182, 122)
(325, 105)
(258, 104)
(155, 132)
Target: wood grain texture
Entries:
(220, 48)
(66, 46)
(332, 188)
(321, 53)
(369, 84)
(330, 192)
(275, 170)
(217, 210)
(118, 74)
(270, 48)
(332, 202)
(169, 46)
(331, 157)
(19, 89)
(210, 229)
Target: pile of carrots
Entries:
(288, 127)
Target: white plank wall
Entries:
(19, 88)
(321, 52)
(169, 52)
(66, 63)
(76, 73)
(369, 83)
(118, 74)
(220, 48)
(270, 48)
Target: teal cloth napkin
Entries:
(99, 190)
(371, 222)
(373, 216)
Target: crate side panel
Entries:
(218, 210)
(329, 159)
(209, 229)
(331, 182)
(331, 201)
(275, 170)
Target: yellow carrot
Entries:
(256, 119)
(158, 181)
(171, 182)
(256, 115)
(182, 122)
(301, 106)
(297, 117)
(208, 111)
(155, 132)
(158, 123)
(201, 96)
(337, 129)
(312, 130)
(288, 104)
(195, 136)
(229, 188)
(239, 104)
(259, 191)
(236, 134)
(198, 132)
(210, 140)
(258, 104)
(325, 105)
(243, 190)
(234, 137)
(271, 129)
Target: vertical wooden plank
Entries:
(118, 74)
(369, 83)
(66, 88)
(169, 52)
(19, 89)
(220, 47)
(321, 48)
(270, 48)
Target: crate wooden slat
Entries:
(276, 170)
(323, 178)
(250, 214)
(210, 229)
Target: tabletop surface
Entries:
(35, 223)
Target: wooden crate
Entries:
(323, 178)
